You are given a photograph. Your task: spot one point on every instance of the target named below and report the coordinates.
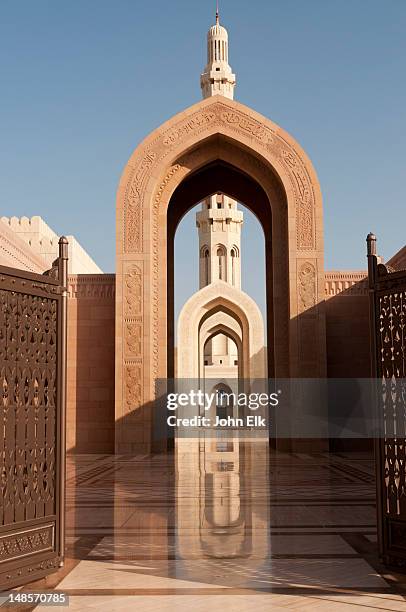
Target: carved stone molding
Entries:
(133, 396)
(346, 283)
(164, 185)
(133, 291)
(307, 286)
(90, 286)
(304, 201)
(133, 336)
(251, 126)
(262, 136)
(133, 199)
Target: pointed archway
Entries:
(217, 133)
(220, 305)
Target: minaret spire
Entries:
(218, 77)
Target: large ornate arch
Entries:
(212, 129)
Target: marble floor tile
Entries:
(232, 603)
(278, 532)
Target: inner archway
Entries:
(220, 306)
(220, 177)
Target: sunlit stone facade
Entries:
(118, 325)
(29, 243)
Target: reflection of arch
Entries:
(223, 409)
(225, 521)
(220, 308)
(217, 145)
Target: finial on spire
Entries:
(217, 78)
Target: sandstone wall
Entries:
(90, 397)
(347, 325)
(91, 345)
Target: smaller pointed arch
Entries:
(247, 328)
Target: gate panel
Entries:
(388, 335)
(32, 378)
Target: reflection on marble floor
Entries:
(223, 526)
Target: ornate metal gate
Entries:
(33, 381)
(388, 337)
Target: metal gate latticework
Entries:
(33, 395)
(388, 350)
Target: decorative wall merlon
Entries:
(345, 282)
(91, 286)
(15, 253)
(42, 242)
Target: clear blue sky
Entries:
(83, 81)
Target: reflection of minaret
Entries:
(219, 224)
(217, 77)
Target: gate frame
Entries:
(34, 565)
(391, 529)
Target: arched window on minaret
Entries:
(221, 258)
(204, 254)
(233, 256)
(235, 253)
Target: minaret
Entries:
(219, 221)
(219, 224)
(217, 77)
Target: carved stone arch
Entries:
(227, 331)
(220, 304)
(220, 320)
(220, 317)
(212, 131)
(230, 333)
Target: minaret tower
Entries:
(218, 77)
(219, 224)
(219, 221)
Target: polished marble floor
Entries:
(209, 528)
